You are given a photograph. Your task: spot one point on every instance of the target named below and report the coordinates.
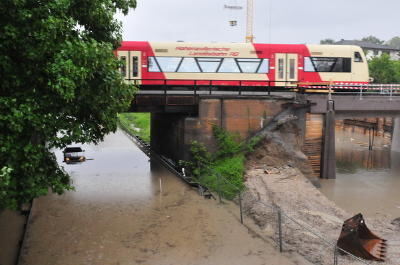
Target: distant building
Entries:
(373, 50)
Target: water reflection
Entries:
(124, 171)
(367, 180)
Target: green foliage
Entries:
(394, 42)
(384, 70)
(5, 183)
(327, 41)
(59, 84)
(227, 144)
(136, 124)
(372, 39)
(223, 170)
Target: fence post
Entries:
(240, 207)
(219, 188)
(391, 91)
(335, 256)
(280, 228)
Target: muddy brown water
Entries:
(122, 212)
(11, 229)
(367, 181)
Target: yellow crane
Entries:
(249, 18)
(249, 21)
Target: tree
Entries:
(327, 41)
(59, 84)
(372, 39)
(394, 42)
(384, 70)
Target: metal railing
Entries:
(266, 87)
(284, 221)
(329, 251)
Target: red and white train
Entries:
(240, 64)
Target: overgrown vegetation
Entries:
(60, 85)
(384, 70)
(136, 124)
(222, 170)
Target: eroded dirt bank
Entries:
(276, 175)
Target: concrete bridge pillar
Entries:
(396, 135)
(328, 167)
(173, 133)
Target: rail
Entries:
(195, 87)
(147, 150)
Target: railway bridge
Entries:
(182, 115)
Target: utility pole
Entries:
(249, 24)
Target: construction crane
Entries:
(249, 21)
(233, 6)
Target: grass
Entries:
(223, 170)
(136, 124)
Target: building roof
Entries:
(367, 45)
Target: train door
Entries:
(131, 66)
(124, 69)
(286, 70)
(135, 67)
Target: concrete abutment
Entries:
(172, 134)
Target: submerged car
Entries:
(74, 155)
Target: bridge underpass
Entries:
(180, 117)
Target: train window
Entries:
(327, 64)
(209, 65)
(280, 68)
(343, 65)
(292, 65)
(135, 66)
(357, 57)
(169, 64)
(229, 65)
(188, 65)
(263, 68)
(123, 66)
(153, 65)
(248, 65)
(308, 66)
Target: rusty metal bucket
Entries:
(358, 240)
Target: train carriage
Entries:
(154, 64)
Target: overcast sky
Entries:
(275, 21)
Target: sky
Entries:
(275, 21)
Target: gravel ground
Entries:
(275, 176)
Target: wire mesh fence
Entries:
(290, 233)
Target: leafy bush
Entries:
(384, 70)
(223, 170)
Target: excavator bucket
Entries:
(358, 240)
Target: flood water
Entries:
(124, 213)
(11, 230)
(366, 181)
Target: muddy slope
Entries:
(276, 176)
